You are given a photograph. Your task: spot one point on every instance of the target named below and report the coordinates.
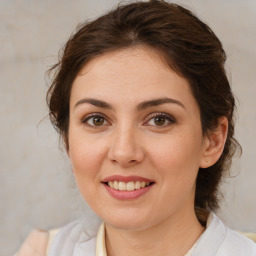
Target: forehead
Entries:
(129, 75)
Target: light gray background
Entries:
(37, 188)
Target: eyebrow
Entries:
(143, 105)
(156, 102)
(97, 103)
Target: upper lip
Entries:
(125, 178)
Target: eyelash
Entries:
(170, 119)
(91, 116)
(152, 116)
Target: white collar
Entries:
(101, 244)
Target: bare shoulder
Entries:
(52, 242)
(35, 244)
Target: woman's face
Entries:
(135, 139)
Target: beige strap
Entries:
(52, 234)
(100, 242)
(250, 235)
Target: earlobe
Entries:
(214, 143)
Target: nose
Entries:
(125, 147)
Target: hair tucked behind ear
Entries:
(185, 43)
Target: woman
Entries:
(141, 99)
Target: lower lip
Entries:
(127, 195)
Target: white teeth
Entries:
(137, 184)
(110, 183)
(121, 185)
(115, 185)
(129, 186)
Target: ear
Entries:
(214, 143)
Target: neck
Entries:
(177, 235)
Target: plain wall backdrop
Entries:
(37, 188)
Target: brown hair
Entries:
(189, 47)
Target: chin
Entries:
(129, 220)
(128, 225)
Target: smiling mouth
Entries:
(128, 186)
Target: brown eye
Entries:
(98, 121)
(159, 120)
(95, 120)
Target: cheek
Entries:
(178, 157)
(86, 165)
(85, 155)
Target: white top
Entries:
(217, 240)
(101, 247)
